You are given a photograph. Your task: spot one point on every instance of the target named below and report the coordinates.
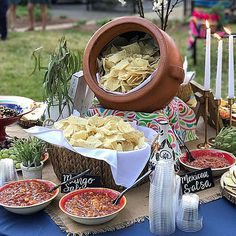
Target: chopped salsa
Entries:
(25, 194)
(208, 161)
(7, 112)
(91, 204)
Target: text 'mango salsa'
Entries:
(91, 204)
(25, 194)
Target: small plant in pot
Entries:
(62, 64)
(30, 152)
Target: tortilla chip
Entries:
(109, 132)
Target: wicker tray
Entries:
(184, 92)
(229, 196)
(65, 161)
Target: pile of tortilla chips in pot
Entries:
(124, 64)
(109, 132)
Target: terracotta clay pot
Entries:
(165, 82)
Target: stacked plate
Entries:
(228, 184)
(161, 199)
(188, 219)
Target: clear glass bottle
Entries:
(163, 150)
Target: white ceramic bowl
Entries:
(212, 152)
(27, 210)
(92, 220)
(25, 104)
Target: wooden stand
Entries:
(200, 108)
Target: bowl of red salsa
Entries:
(91, 206)
(27, 196)
(219, 161)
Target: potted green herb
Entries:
(63, 63)
(30, 152)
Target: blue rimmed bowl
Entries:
(21, 104)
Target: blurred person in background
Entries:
(11, 13)
(3, 19)
(43, 6)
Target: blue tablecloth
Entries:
(219, 219)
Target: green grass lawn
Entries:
(16, 62)
(22, 12)
(17, 65)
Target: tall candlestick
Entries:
(207, 58)
(231, 68)
(231, 65)
(219, 68)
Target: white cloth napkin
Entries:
(188, 75)
(125, 166)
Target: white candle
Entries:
(207, 58)
(219, 69)
(231, 68)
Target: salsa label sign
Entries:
(83, 182)
(197, 181)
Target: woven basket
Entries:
(65, 161)
(184, 92)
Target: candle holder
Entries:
(205, 145)
(217, 126)
(230, 104)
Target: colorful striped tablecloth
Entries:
(180, 117)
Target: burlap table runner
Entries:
(135, 211)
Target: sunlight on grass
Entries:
(16, 63)
(22, 12)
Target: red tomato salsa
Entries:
(208, 161)
(25, 194)
(91, 204)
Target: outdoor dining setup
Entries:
(128, 149)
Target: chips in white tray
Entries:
(109, 132)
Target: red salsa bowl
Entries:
(91, 206)
(27, 196)
(219, 161)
